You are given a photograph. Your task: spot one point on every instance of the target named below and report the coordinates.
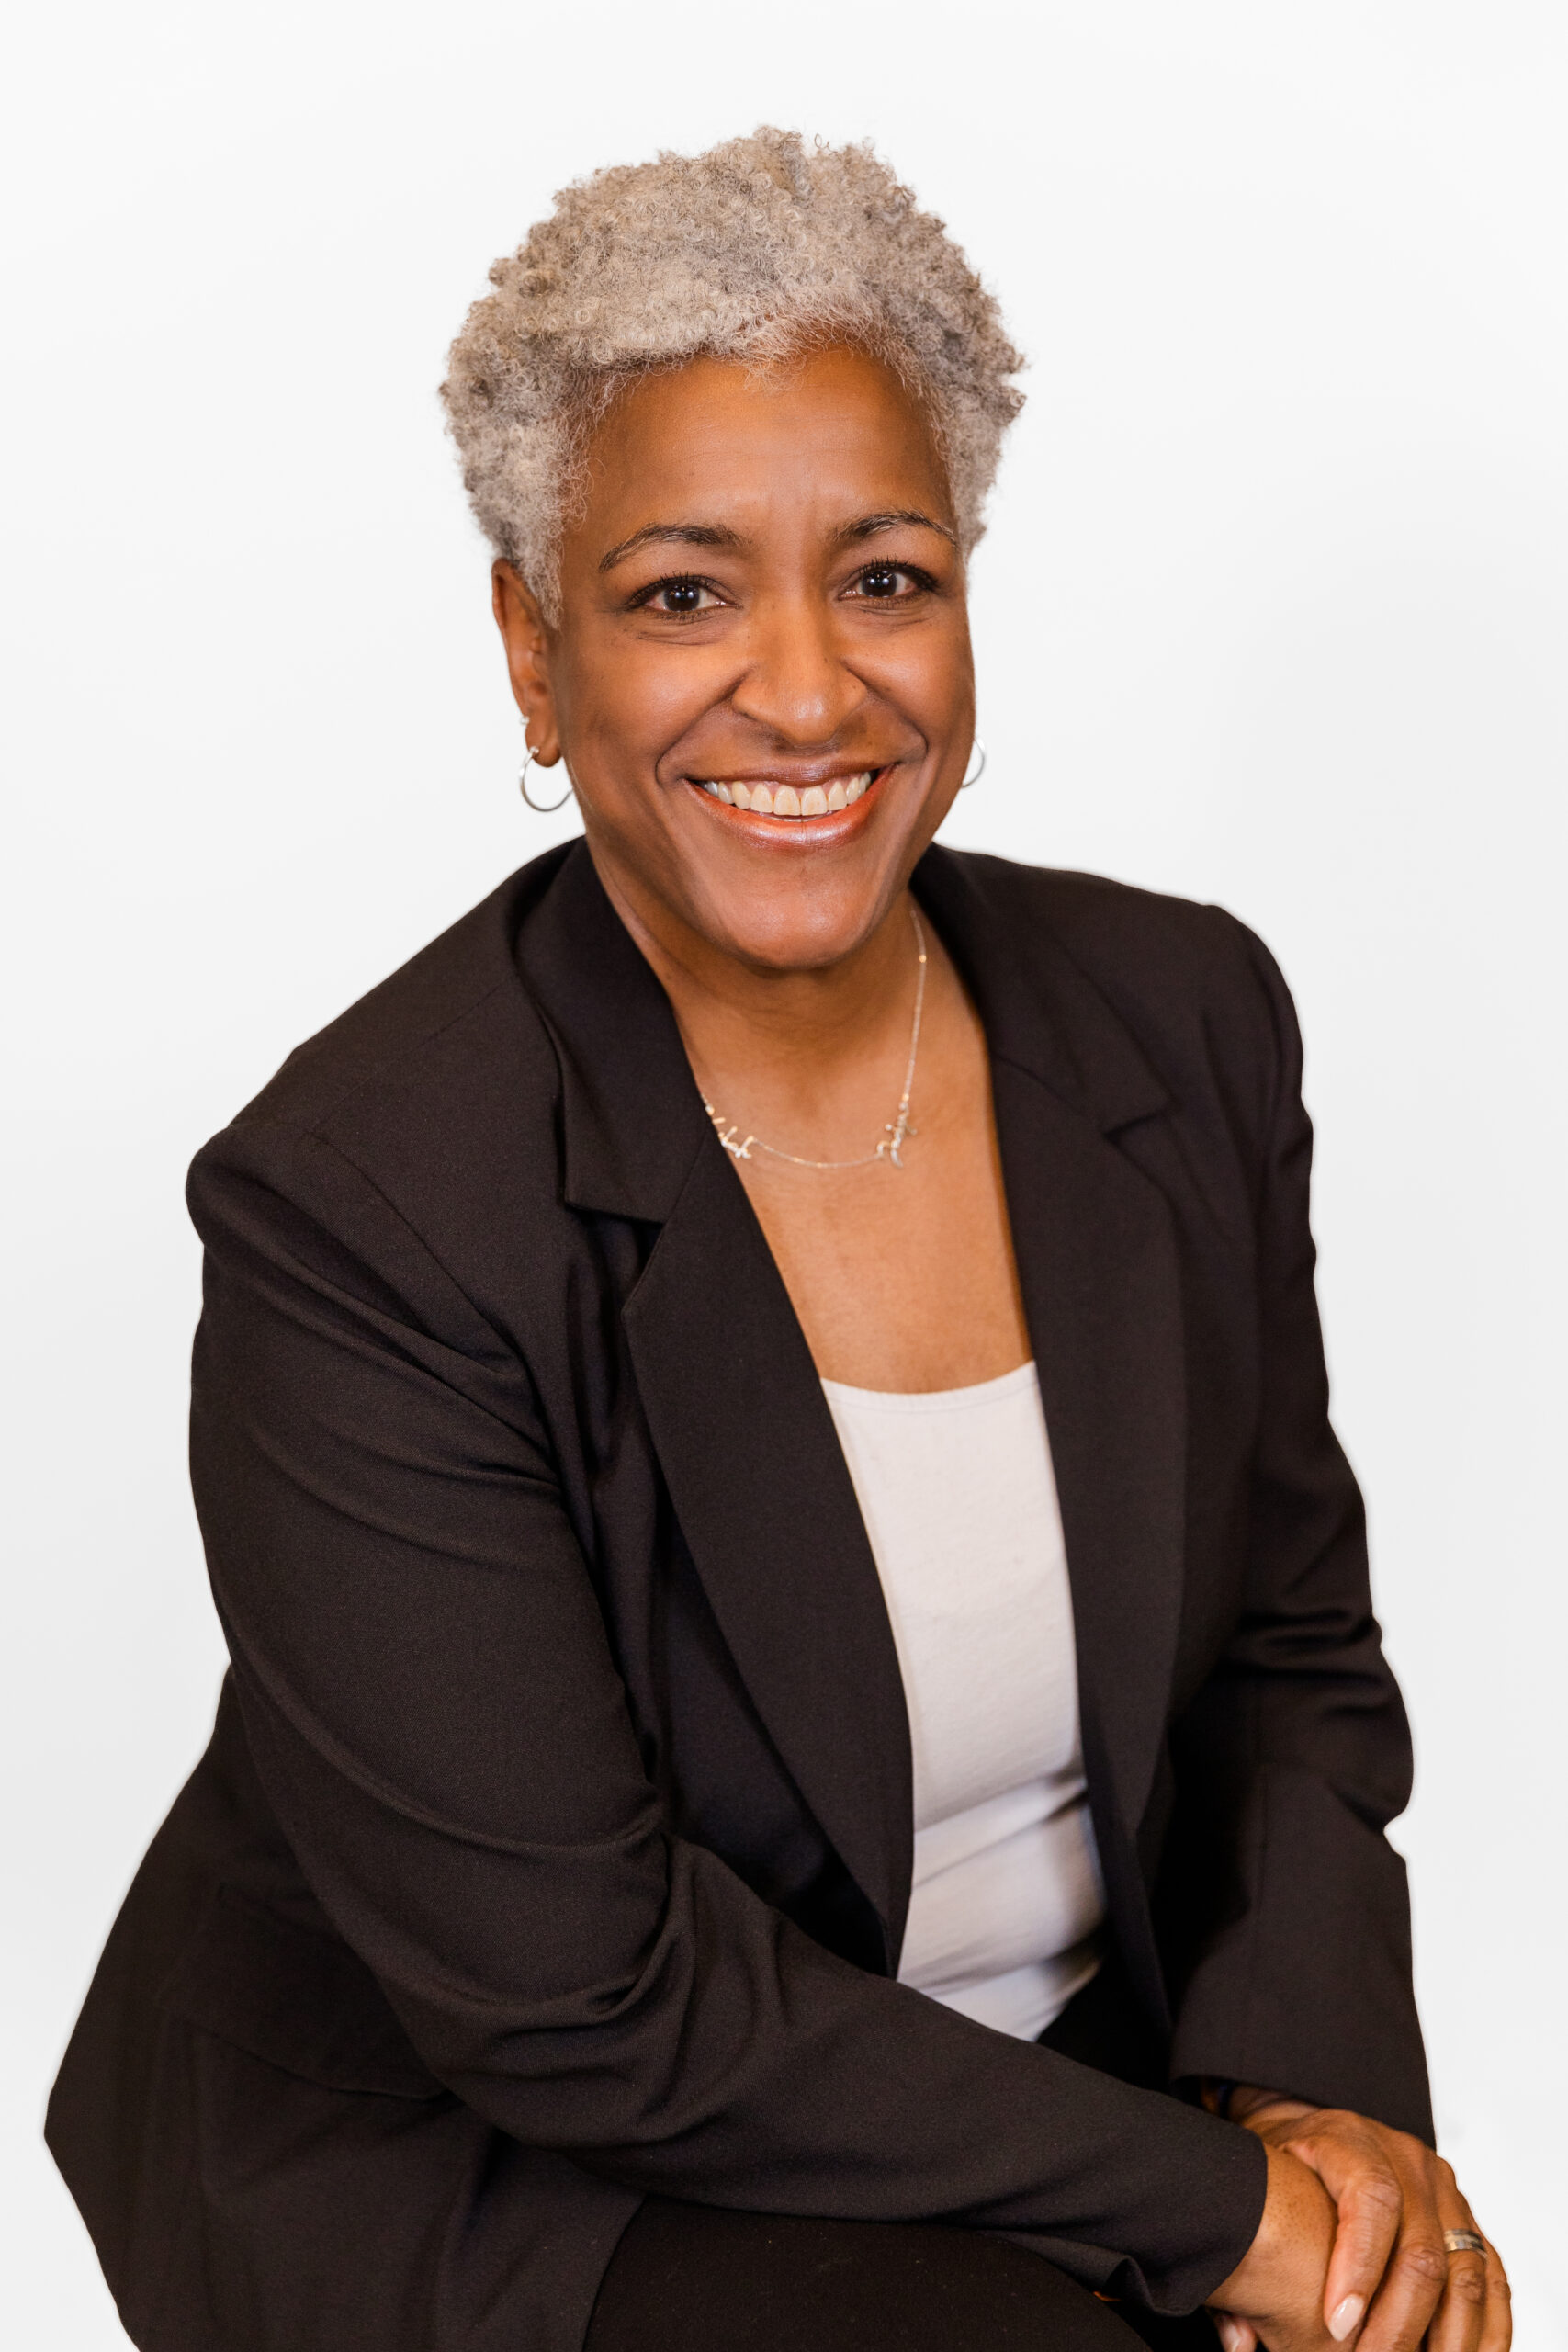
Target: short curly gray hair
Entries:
(757, 250)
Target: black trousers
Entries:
(695, 2278)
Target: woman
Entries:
(806, 1752)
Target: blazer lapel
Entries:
(759, 1486)
(736, 1414)
(1099, 1270)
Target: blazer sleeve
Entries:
(1280, 1889)
(429, 1696)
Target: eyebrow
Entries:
(717, 535)
(686, 534)
(868, 526)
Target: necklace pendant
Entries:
(899, 1130)
(726, 1132)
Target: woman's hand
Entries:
(1389, 2274)
(1275, 2293)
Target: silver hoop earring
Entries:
(979, 771)
(540, 808)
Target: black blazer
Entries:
(554, 1845)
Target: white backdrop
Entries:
(1273, 610)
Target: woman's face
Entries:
(762, 591)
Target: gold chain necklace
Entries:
(897, 1131)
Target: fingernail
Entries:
(1230, 2334)
(1346, 2317)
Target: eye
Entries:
(680, 597)
(886, 583)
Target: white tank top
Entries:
(956, 1490)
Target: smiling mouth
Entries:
(765, 799)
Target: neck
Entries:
(804, 1056)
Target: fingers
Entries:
(1391, 2280)
(1389, 2268)
(1470, 2310)
(1417, 2274)
(1473, 2315)
(1498, 2334)
(1236, 2334)
(1370, 2199)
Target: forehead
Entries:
(831, 433)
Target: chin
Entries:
(791, 894)
(804, 930)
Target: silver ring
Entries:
(1463, 2242)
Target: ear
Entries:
(528, 643)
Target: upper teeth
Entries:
(783, 800)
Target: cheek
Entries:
(630, 701)
(926, 654)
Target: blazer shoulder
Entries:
(435, 1096)
(455, 1000)
(1131, 938)
(1145, 948)
(1200, 994)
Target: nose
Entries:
(796, 683)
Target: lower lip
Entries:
(833, 827)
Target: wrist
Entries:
(1280, 2278)
(1244, 2102)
